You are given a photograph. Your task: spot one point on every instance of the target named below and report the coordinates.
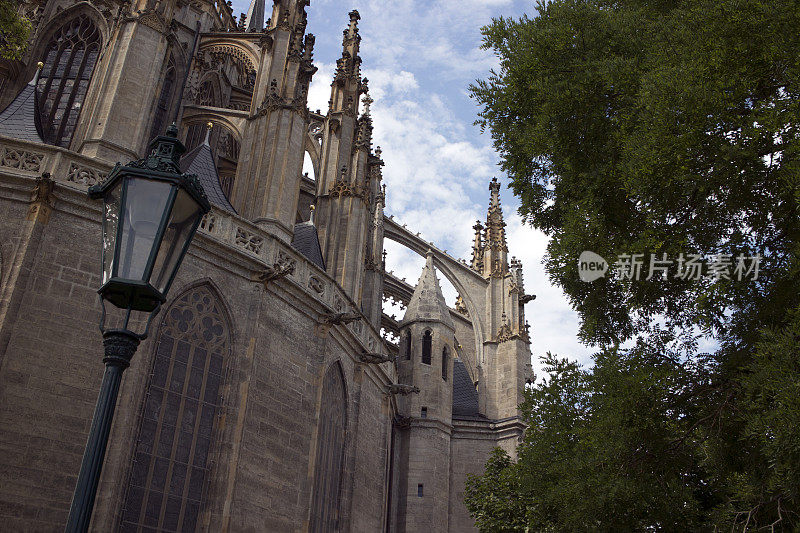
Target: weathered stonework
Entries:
(292, 299)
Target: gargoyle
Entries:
(374, 358)
(278, 270)
(400, 388)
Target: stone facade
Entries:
(272, 393)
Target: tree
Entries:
(662, 127)
(14, 31)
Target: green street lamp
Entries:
(150, 215)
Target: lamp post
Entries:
(151, 212)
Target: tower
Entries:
(267, 183)
(348, 187)
(507, 348)
(426, 361)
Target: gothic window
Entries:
(330, 453)
(164, 100)
(206, 94)
(445, 362)
(427, 341)
(170, 461)
(69, 60)
(408, 345)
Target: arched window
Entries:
(330, 453)
(170, 462)
(427, 341)
(162, 110)
(408, 345)
(445, 362)
(69, 60)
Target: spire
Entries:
(347, 84)
(255, 16)
(477, 246)
(495, 248)
(364, 137)
(427, 303)
(209, 125)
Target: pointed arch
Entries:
(427, 347)
(70, 50)
(329, 460)
(164, 104)
(182, 399)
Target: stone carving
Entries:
(337, 319)
(402, 389)
(42, 198)
(208, 222)
(85, 175)
(20, 159)
(316, 285)
(374, 358)
(248, 241)
(280, 269)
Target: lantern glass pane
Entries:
(182, 221)
(110, 223)
(145, 203)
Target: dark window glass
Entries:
(330, 453)
(171, 458)
(408, 345)
(445, 362)
(427, 342)
(420, 490)
(163, 106)
(68, 65)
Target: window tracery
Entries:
(330, 453)
(170, 462)
(163, 105)
(69, 61)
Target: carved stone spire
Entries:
(477, 247)
(495, 249)
(255, 16)
(427, 303)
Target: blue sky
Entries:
(420, 57)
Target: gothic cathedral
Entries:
(273, 394)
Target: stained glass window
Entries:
(330, 453)
(69, 61)
(163, 106)
(170, 461)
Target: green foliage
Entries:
(14, 31)
(647, 126)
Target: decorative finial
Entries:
(367, 102)
(172, 130)
(312, 207)
(35, 80)
(209, 125)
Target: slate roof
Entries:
(306, 241)
(19, 119)
(200, 161)
(465, 396)
(427, 302)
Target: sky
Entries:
(420, 58)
